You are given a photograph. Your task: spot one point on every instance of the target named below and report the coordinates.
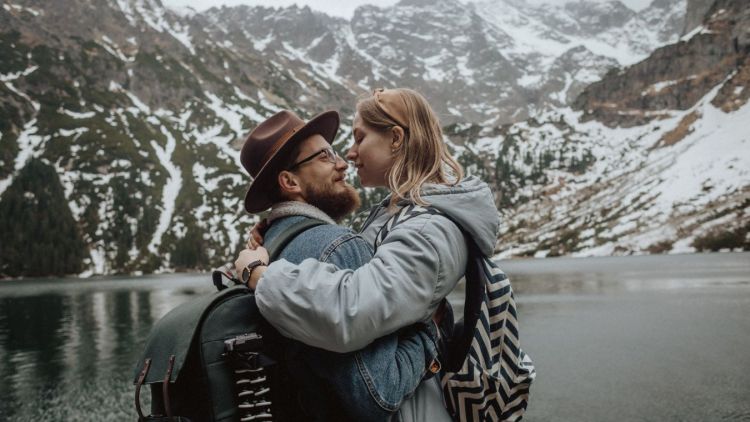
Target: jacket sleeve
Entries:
(344, 310)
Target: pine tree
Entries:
(190, 251)
(40, 237)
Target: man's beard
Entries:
(337, 204)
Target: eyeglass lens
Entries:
(329, 153)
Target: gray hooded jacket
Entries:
(413, 269)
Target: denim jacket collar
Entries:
(290, 208)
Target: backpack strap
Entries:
(278, 243)
(139, 383)
(405, 213)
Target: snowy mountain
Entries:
(560, 50)
(493, 62)
(120, 119)
(653, 158)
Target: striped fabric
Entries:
(493, 382)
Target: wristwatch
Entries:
(245, 276)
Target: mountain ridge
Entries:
(140, 111)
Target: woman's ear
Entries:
(289, 183)
(398, 137)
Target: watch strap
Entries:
(248, 270)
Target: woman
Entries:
(398, 143)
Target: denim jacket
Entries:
(366, 385)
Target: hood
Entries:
(471, 205)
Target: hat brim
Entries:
(325, 124)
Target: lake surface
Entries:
(653, 338)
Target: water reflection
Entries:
(67, 347)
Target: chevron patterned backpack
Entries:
(485, 374)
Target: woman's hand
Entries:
(256, 234)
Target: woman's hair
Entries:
(423, 156)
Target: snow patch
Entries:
(260, 45)
(98, 263)
(30, 145)
(232, 114)
(171, 188)
(9, 78)
(529, 80)
(700, 29)
(75, 133)
(464, 70)
(432, 66)
(659, 86)
(13, 76)
(140, 106)
(20, 8)
(76, 115)
(703, 157)
(114, 50)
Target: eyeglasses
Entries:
(330, 156)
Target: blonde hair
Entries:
(423, 156)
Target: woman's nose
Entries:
(351, 154)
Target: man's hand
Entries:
(246, 257)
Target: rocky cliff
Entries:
(653, 158)
(676, 76)
(696, 12)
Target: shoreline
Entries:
(503, 261)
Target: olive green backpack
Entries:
(215, 358)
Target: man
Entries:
(299, 176)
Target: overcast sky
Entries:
(342, 8)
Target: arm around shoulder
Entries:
(343, 310)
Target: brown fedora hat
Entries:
(269, 141)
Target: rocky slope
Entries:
(653, 158)
(492, 62)
(136, 122)
(139, 110)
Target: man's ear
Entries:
(289, 183)
(398, 137)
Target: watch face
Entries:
(245, 275)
